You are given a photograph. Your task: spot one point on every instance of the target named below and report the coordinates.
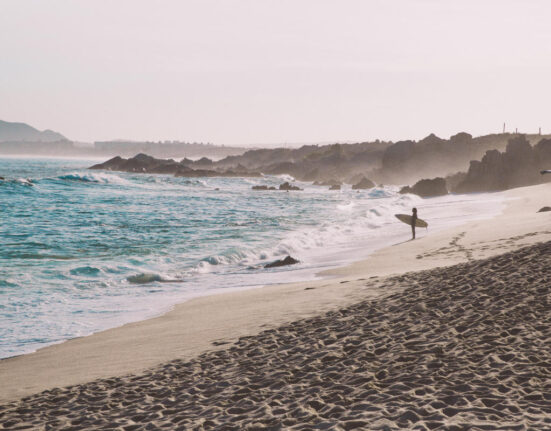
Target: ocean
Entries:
(82, 251)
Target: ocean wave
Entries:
(94, 177)
(26, 182)
(144, 278)
(85, 270)
(285, 177)
(353, 219)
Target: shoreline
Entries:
(213, 322)
(378, 231)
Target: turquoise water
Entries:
(82, 251)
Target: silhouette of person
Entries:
(413, 221)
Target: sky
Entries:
(249, 72)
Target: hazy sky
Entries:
(245, 72)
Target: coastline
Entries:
(214, 322)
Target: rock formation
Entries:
(519, 165)
(363, 184)
(427, 188)
(263, 188)
(282, 262)
(142, 163)
(404, 162)
(287, 186)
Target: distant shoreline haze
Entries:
(22, 139)
(402, 162)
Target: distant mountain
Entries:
(21, 132)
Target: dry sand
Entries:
(461, 345)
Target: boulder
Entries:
(282, 262)
(287, 186)
(335, 187)
(363, 184)
(427, 188)
(263, 188)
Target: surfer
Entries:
(413, 221)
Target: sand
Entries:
(366, 349)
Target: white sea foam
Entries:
(95, 177)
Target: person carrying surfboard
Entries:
(413, 221)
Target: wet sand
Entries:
(461, 346)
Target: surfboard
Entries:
(406, 218)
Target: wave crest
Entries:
(94, 177)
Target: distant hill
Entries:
(21, 132)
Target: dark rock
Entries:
(282, 262)
(398, 154)
(203, 161)
(518, 166)
(287, 186)
(142, 163)
(363, 184)
(544, 209)
(110, 164)
(335, 187)
(454, 180)
(427, 188)
(263, 188)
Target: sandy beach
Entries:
(450, 331)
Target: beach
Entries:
(450, 331)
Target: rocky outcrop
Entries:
(404, 162)
(284, 187)
(335, 187)
(454, 180)
(142, 163)
(282, 262)
(363, 184)
(519, 165)
(263, 188)
(287, 186)
(139, 163)
(398, 154)
(427, 188)
(544, 209)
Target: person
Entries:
(413, 221)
